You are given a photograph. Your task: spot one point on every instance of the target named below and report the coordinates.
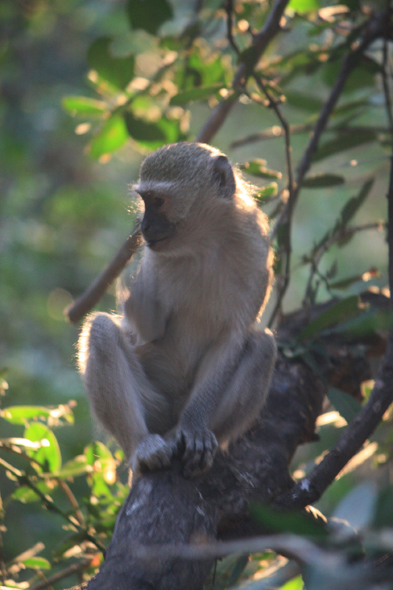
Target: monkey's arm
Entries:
(230, 389)
(143, 308)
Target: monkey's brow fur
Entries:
(183, 368)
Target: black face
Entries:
(156, 229)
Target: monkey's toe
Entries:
(199, 450)
(151, 454)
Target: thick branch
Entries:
(95, 291)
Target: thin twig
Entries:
(340, 234)
(69, 571)
(310, 489)
(276, 131)
(229, 11)
(374, 29)
(271, 133)
(260, 41)
(95, 291)
(64, 486)
(291, 187)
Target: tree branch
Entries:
(374, 29)
(95, 291)
(311, 488)
(260, 41)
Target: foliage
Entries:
(154, 76)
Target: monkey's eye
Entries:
(158, 202)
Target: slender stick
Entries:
(260, 41)
(336, 237)
(95, 291)
(375, 28)
(69, 571)
(310, 488)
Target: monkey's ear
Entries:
(223, 176)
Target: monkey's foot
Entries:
(151, 454)
(198, 448)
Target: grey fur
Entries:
(184, 368)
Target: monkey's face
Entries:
(157, 229)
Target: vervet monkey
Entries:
(183, 370)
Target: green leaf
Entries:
(384, 509)
(49, 453)
(304, 6)
(37, 563)
(23, 414)
(294, 584)
(26, 495)
(352, 206)
(148, 14)
(141, 130)
(304, 102)
(344, 141)
(338, 312)
(322, 180)
(288, 522)
(112, 136)
(82, 106)
(200, 93)
(266, 192)
(119, 71)
(258, 168)
(74, 467)
(72, 541)
(364, 277)
(346, 405)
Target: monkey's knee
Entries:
(98, 339)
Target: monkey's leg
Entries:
(245, 395)
(120, 395)
(232, 388)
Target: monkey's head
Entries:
(176, 183)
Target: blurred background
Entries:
(64, 214)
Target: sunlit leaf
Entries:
(149, 14)
(83, 106)
(303, 6)
(74, 467)
(112, 136)
(72, 541)
(294, 584)
(119, 71)
(338, 312)
(258, 168)
(322, 180)
(347, 406)
(26, 495)
(199, 93)
(23, 414)
(48, 454)
(37, 563)
(266, 192)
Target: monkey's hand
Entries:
(197, 447)
(151, 454)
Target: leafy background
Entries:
(87, 89)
